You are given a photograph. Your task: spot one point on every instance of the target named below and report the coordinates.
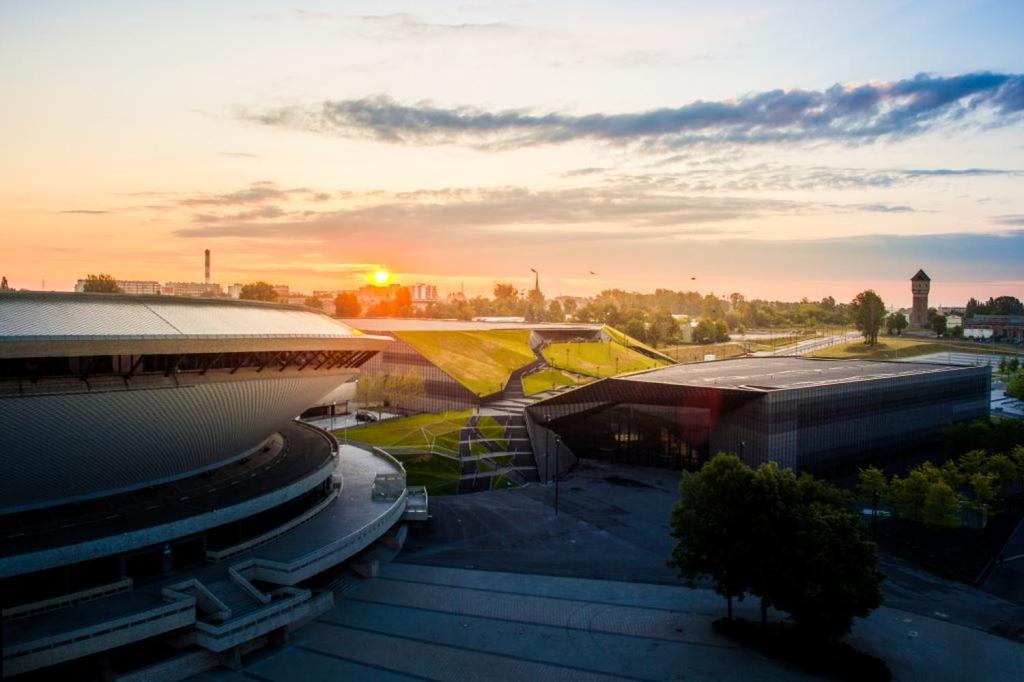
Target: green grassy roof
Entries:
(479, 360)
(598, 359)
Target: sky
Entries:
(781, 150)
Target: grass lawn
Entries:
(696, 352)
(630, 342)
(440, 475)
(492, 430)
(479, 360)
(545, 380)
(417, 431)
(597, 359)
(893, 347)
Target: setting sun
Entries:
(381, 277)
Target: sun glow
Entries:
(381, 277)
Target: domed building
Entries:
(153, 472)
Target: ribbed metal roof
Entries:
(774, 373)
(76, 318)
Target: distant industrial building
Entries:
(996, 327)
(133, 287)
(815, 415)
(192, 290)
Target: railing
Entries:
(207, 601)
(184, 604)
(274, 533)
(262, 620)
(280, 573)
(64, 600)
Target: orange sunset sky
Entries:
(797, 149)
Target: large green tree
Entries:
(710, 522)
(867, 311)
(346, 304)
(895, 323)
(792, 541)
(258, 291)
(104, 284)
(832, 571)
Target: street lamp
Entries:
(558, 440)
(334, 406)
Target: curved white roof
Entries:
(42, 324)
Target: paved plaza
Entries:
(496, 586)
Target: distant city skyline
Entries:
(784, 151)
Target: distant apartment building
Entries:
(282, 290)
(192, 289)
(370, 296)
(423, 294)
(135, 287)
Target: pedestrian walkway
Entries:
(442, 623)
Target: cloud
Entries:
(1011, 220)
(402, 25)
(256, 193)
(240, 155)
(858, 113)
(594, 213)
(780, 177)
(83, 211)
(261, 213)
(579, 172)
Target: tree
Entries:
(104, 284)
(895, 323)
(867, 312)
(710, 521)
(792, 541)
(941, 506)
(872, 486)
(832, 571)
(346, 304)
(258, 291)
(705, 331)
(505, 290)
(1015, 386)
(555, 313)
(939, 325)
(313, 302)
(663, 327)
(721, 331)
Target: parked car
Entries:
(364, 416)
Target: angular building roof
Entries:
(921, 276)
(777, 373)
(37, 324)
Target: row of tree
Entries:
(793, 542)
(936, 495)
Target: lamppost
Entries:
(334, 406)
(558, 440)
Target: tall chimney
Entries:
(207, 266)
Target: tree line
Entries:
(976, 480)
